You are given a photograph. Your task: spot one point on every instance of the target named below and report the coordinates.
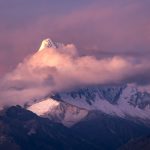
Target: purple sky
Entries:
(97, 27)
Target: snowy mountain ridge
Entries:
(118, 100)
(124, 101)
(59, 111)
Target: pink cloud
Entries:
(53, 70)
(110, 28)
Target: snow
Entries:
(122, 108)
(75, 106)
(44, 106)
(128, 109)
(58, 111)
(73, 115)
(48, 43)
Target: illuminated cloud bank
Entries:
(55, 69)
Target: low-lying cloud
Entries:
(54, 70)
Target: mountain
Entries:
(64, 115)
(108, 131)
(21, 129)
(101, 113)
(58, 111)
(123, 101)
(97, 113)
(48, 43)
(119, 100)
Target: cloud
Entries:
(112, 40)
(53, 70)
(111, 28)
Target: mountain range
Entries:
(85, 117)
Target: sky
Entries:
(105, 42)
(102, 28)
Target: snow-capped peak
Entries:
(48, 43)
